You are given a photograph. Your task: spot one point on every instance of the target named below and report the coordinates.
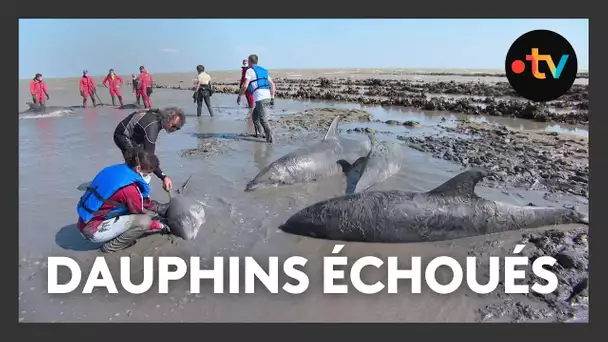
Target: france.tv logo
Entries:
(531, 66)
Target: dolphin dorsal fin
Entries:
(332, 132)
(462, 185)
(32, 105)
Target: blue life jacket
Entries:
(261, 79)
(106, 183)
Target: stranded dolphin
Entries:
(383, 161)
(38, 109)
(450, 211)
(310, 163)
(185, 215)
(131, 106)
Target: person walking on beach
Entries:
(136, 85)
(140, 130)
(202, 91)
(38, 90)
(259, 83)
(87, 88)
(248, 95)
(114, 82)
(145, 84)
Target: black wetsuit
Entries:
(140, 128)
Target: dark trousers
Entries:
(203, 95)
(259, 118)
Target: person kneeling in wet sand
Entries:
(113, 208)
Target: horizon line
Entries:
(499, 70)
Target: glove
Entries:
(82, 93)
(194, 97)
(48, 97)
(34, 99)
(160, 208)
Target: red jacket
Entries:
(38, 88)
(112, 83)
(87, 85)
(145, 79)
(129, 196)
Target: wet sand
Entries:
(222, 160)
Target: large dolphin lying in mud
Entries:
(311, 163)
(38, 109)
(450, 211)
(383, 161)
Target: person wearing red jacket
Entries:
(38, 90)
(248, 95)
(87, 88)
(114, 82)
(145, 86)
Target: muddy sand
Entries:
(529, 166)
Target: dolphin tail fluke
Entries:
(346, 166)
(462, 185)
(333, 132)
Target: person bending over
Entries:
(141, 129)
(112, 210)
(202, 91)
(259, 83)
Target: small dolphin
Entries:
(36, 108)
(131, 106)
(185, 215)
(310, 163)
(450, 211)
(383, 161)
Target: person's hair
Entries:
(37, 75)
(138, 157)
(200, 68)
(169, 113)
(142, 67)
(253, 59)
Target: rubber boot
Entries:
(124, 240)
(120, 100)
(113, 101)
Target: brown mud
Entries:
(536, 161)
(571, 298)
(473, 98)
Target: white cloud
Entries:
(168, 50)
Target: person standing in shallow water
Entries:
(248, 95)
(87, 88)
(202, 91)
(259, 83)
(136, 86)
(114, 82)
(145, 83)
(38, 90)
